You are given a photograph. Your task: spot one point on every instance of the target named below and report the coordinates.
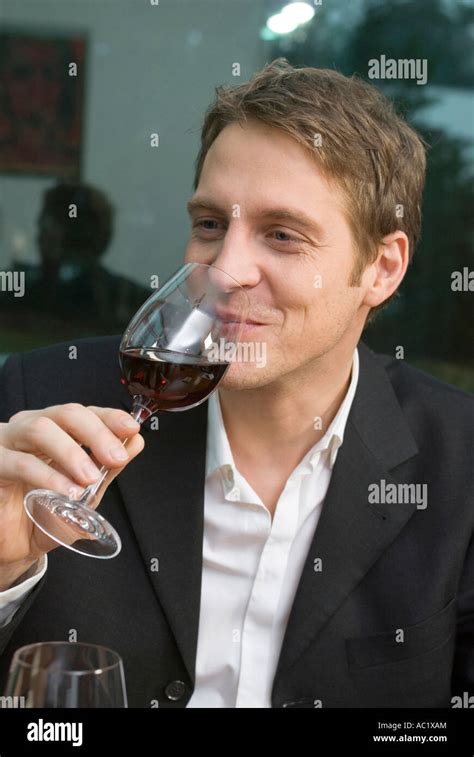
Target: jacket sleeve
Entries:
(6, 632)
(463, 669)
(12, 400)
(12, 394)
(12, 598)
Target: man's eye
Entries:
(209, 224)
(206, 220)
(288, 239)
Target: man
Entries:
(71, 285)
(312, 524)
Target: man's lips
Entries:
(244, 324)
(228, 317)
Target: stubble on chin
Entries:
(244, 376)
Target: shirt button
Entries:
(175, 690)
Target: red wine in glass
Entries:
(170, 380)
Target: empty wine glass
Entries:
(173, 355)
(66, 674)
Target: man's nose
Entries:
(237, 258)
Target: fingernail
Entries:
(118, 453)
(91, 471)
(129, 423)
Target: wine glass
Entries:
(66, 674)
(173, 354)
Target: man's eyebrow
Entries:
(196, 202)
(278, 213)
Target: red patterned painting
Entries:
(41, 103)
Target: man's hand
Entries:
(41, 449)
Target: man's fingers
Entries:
(134, 447)
(57, 432)
(120, 422)
(32, 473)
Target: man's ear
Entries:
(382, 277)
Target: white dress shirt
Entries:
(251, 564)
(11, 599)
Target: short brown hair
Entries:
(376, 158)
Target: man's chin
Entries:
(244, 376)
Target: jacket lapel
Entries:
(351, 533)
(163, 491)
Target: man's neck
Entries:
(276, 425)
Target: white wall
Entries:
(150, 69)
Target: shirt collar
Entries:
(334, 436)
(219, 454)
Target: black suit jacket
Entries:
(386, 567)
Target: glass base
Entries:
(72, 524)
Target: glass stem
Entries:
(142, 409)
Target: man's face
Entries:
(296, 276)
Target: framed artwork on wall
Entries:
(42, 85)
